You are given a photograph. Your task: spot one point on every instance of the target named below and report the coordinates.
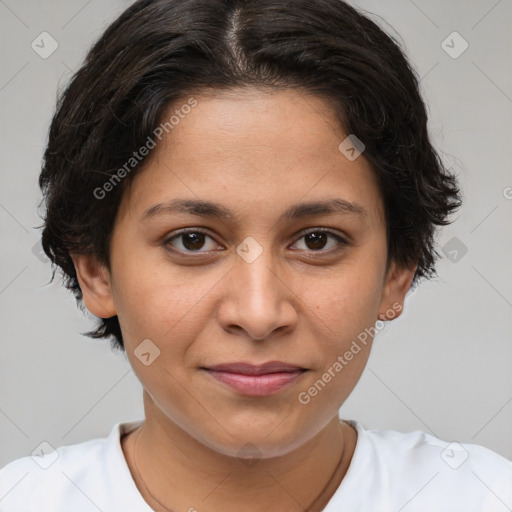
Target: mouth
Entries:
(256, 380)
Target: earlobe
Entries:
(398, 283)
(94, 280)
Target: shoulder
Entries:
(420, 447)
(26, 481)
(61, 477)
(419, 471)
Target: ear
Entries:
(94, 280)
(397, 284)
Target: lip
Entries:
(256, 380)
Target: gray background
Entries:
(443, 367)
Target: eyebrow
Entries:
(215, 210)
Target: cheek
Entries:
(145, 290)
(345, 314)
(347, 300)
(169, 316)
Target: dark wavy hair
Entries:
(159, 51)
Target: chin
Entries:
(259, 438)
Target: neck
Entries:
(174, 471)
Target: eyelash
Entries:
(342, 242)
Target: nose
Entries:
(258, 298)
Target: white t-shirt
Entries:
(389, 472)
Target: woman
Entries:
(243, 192)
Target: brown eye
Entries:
(316, 240)
(191, 240)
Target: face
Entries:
(268, 280)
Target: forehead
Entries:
(253, 152)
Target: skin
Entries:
(256, 153)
